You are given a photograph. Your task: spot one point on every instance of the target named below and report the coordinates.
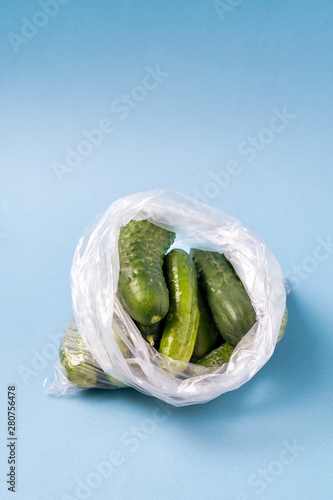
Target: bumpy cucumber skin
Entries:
(152, 333)
(78, 364)
(218, 356)
(77, 361)
(207, 335)
(229, 302)
(141, 286)
(182, 320)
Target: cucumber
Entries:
(78, 364)
(217, 357)
(231, 306)
(207, 335)
(141, 286)
(152, 333)
(181, 325)
(222, 354)
(283, 325)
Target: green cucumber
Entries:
(181, 325)
(231, 306)
(207, 335)
(77, 362)
(152, 333)
(217, 357)
(141, 286)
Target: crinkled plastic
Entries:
(113, 339)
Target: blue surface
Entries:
(224, 74)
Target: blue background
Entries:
(228, 69)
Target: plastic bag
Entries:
(110, 335)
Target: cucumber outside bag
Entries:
(111, 338)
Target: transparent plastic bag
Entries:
(112, 338)
(77, 369)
